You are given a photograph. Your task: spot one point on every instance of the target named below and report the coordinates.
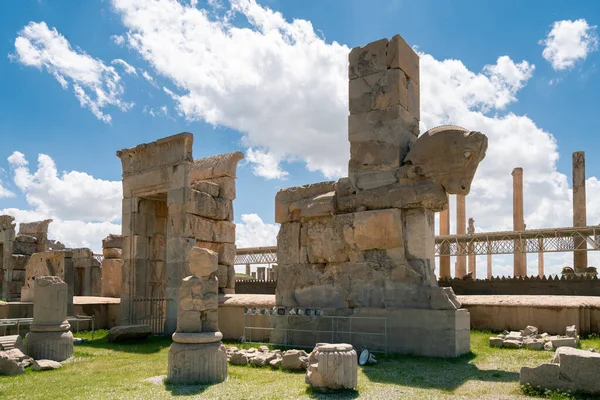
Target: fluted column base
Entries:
(55, 346)
(194, 363)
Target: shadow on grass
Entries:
(153, 344)
(433, 373)
(333, 394)
(185, 390)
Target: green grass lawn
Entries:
(102, 370)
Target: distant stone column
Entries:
(541, 257)
(269, 272)
(112, 265)
(580, 261)
(471, 248)
(520, 260)
(489, 261)
(260, 273)
(49, 337)
(445, 231)
(274, 274)
(247, 269)
(197, 355)
(461, 226)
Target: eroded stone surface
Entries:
(124, 333)
(45, 365)
(332, 366)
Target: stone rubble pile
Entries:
(14, 362)
(530, 338)
(570, 369)
(288, 360)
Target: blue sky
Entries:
(242, 77)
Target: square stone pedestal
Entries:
(191, 363)
(422, 332)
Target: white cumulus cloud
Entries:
(253, 232)
(569, 42)
(95, 84)
(126, 67)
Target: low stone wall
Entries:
(495, 286)
(548, 313)
(525, 286)
(255, 286)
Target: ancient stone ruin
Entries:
(87, 280)
(112, 265)
(332, 366)
(197, 354)
(364, 245)
(570, 369)
(530, 338)
(172, 203)
(49, 337)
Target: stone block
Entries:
(113, 241)
(225, 251)
(325, 239)
(230, 277)
(495, 342)
(419, 236)
(400, 55)
(564, 342)
(19, 261)
(319, 206)
(368, 59)
(197, 363)
(372, 180)
(206, 187)
(123, 333)
(224, 232)
(112, 270)
(202, 261)
(513, 344)
(222, 276)
(414, 99)
(226, 187)
(534, 344)
(285, 197)
(199, 227)
(202, 204)
(373, 156)
(50, 305)
(289, 248)
(24, 248)
(294, 360)
(45, 365)
(215, 166)
(378, 229)
(14, 362)
(112, 252)
(378, 91)
(55, 346)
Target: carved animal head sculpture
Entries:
(448, 155)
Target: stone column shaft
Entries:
(579, 210)
(520, 260)
(489, 261)
(461, 227)
(247, 269)
(541, 257)
(445, 231)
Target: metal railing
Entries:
(151, 312)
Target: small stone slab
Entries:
(125, 333)
(45, 365)
(200, 337)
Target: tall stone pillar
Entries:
(260, 273)
(579, 210)
(541, 257)
(471, 248)
(520, 257)
(197, 355)
(49, 337)
(489, 261)
(247, 269)
(461, 227)
(444, 253)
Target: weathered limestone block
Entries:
(286, 197)
(45, 365)
(325, 239)
(112, 270)
(448, 155)
(332, 366)
(319, 206)
(57, 263)
(39, 230)
(378, 91)
(294, 360)
(222, 276)
(570, 369)
(202, 262)
(379, 229)
(207, 187)
(19, 261)
(197, 363)
(393, 125)
(226, 186)
(11, 342)
(400, 55)
(225, 251)
(371, 180)
(96, 279)
(290, 250)
(426, 195)
(368, 59)
(112, 253)
(123, 333)
(222, 165)
(196, 296)
(13, 362)
(373, 156)
(419, 237)
(24, 244)
(204, 205)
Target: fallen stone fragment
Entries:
(496, 342)
(14, 362)
(294, 360)
(529, 331)
(45, 365)
(512, 344)
(129, 333)
(238, 359)
(564, 342)
(276, 363)
(534, 344)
